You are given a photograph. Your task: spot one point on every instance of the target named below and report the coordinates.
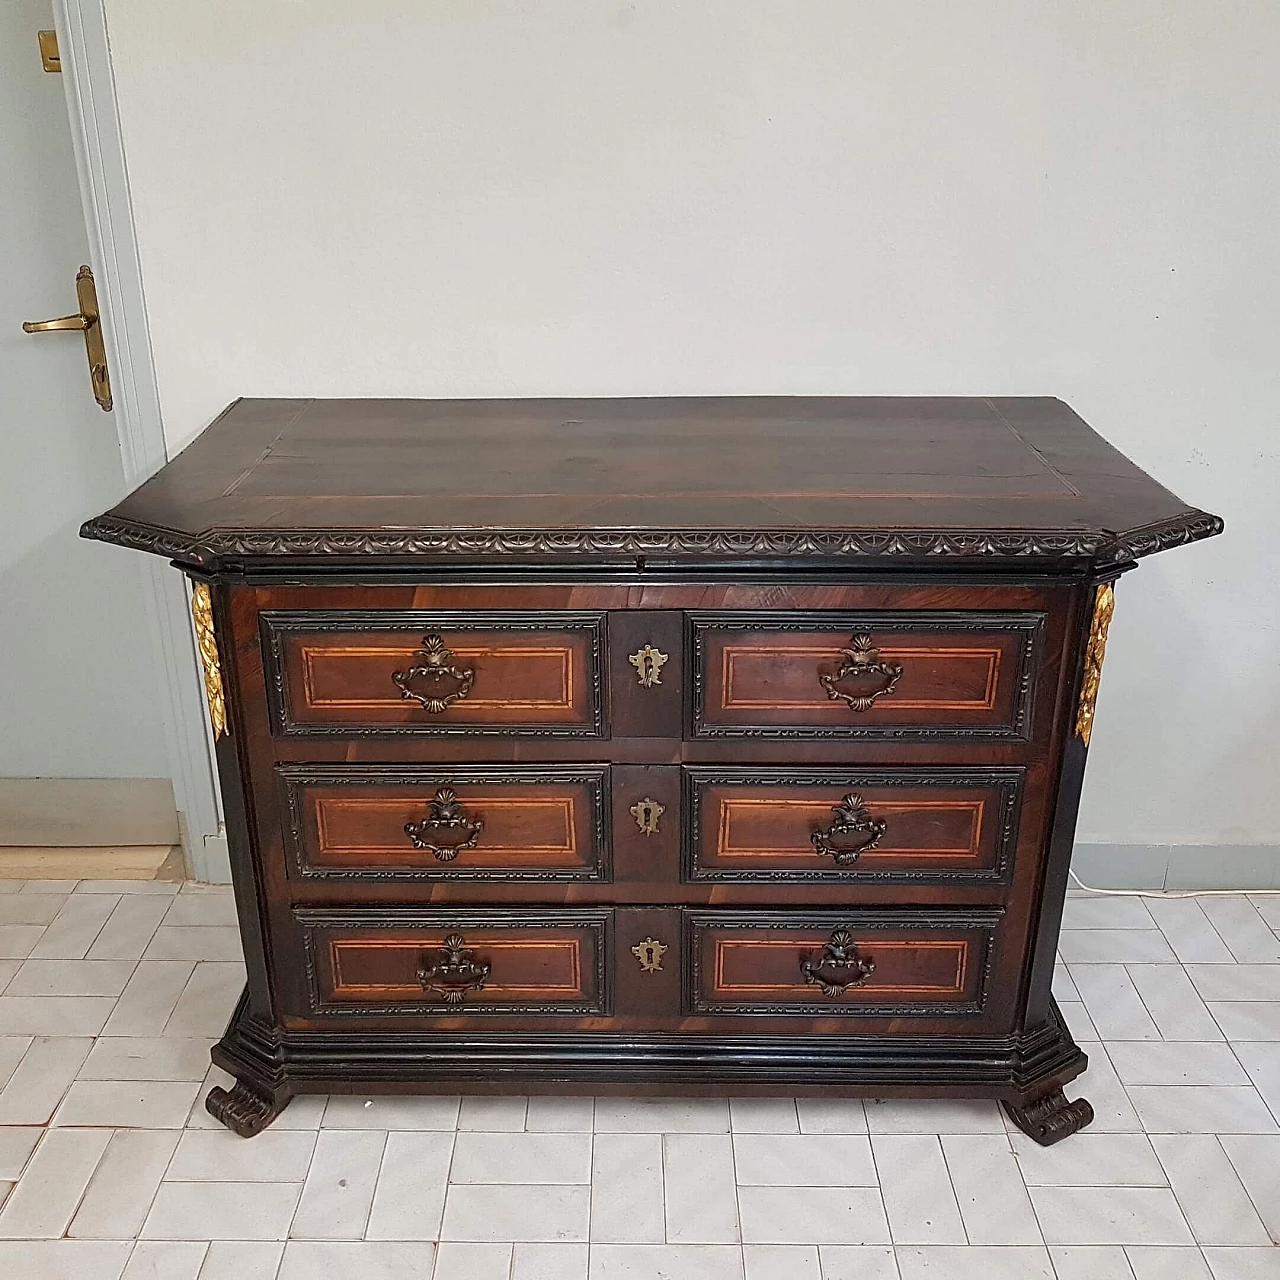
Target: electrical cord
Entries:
(1172, 893)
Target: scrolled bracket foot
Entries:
(243, 1110)
(1051, 1118)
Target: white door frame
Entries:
(104, 186)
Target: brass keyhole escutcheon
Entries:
(648, 663)
(650, 953)
(646, 812)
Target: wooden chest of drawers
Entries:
(652, 746)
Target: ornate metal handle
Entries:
(838, 966)
(445, 813)
(862, 662)
(452, 970)
(853, 832)
(435, 663)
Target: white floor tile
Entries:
(54, 1015)
(1261, 1062)
(763, 1115)
(803, 1160)
(76, 927)
(206, 1002)
(1109, 1215)
(182, 943)
(1183, 1062)
(1084, 912)
(1076, 1016)
(222, 1211)
(8, 971)
(12, 1049)
(1063, 987)
(31, 908)
(1173, 1003)
(44, 1201)
(149, 999)
(147, 1058)
(41, 1079)
(1160, 1262)
(857, 1262)
(522, 1157)
(560, 1115)
(409, 1198)
(665, 1261)
(16, 1146)
(493, 1114)
(129, 928)
(549, 1261)
(940, 1262)
(1114, 946)
(1201, 1109)
(1090, 1262)
(1112, 1110)
(1213, 1201)
(989, 1190)
(627, 1189)
(511, 1213)
(812, 1215)
(933, 1115)
(355, 1111)
(456, 1261)
(1090, 1160)
(166, 1260)
(660, 1115)
(217, 1155)
(1243, 930)
(362, 1260)
(128, 1104)
(1256, 1160)
(1113, 1002)
(63, 1259)
(1243, 1264)
(160, 888)
(700, 1191)
(1245, 1019)
(340, 1183)
(1187, 930)
(124, 1185)
(782, 1262)
(917, 1190)
(201, 910)
(1236, 981)
(831, 1115)
(242, 1260)
(17, 940)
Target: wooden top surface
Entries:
(725, 477)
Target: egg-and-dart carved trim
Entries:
(294, 778)
(211, 548)
(275, 624)
(598, 920)
(695, 778)
(859, 923)
(1030, 624)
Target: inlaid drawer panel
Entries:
(838, 964)
(864, 675)
(414, 962)
(404, 672)
(839, 825)
(442, 822)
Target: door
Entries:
(78, 677)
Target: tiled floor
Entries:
(110, 994)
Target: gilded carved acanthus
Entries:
(206, 642)
(1104, 605)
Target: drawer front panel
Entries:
(867, 675)
(420, 822)
(801, 825)
(836, 965)
(411, 962)
(435, 673)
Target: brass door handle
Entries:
(85, 321)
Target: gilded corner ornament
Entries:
(206, 642)
(1104, 605)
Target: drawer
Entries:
(878, 674)
(434, 673)
(406, 961)
(838, 964)
(800, 825)
(419, 822)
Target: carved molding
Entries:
(209, 548)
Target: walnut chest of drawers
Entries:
(652, 746)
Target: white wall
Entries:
(824, 196)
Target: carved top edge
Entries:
(208, 550)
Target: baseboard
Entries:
(1178, 866)
(87, 812)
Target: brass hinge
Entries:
(207, 643)
(49, 56)
(1104, 605)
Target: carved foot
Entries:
(1051, 1118)
(243, 1110)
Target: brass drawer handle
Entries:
(852, 819)
(838, 966)
(435, 663)
(452, 971)
(862, 662)
(445, 813)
